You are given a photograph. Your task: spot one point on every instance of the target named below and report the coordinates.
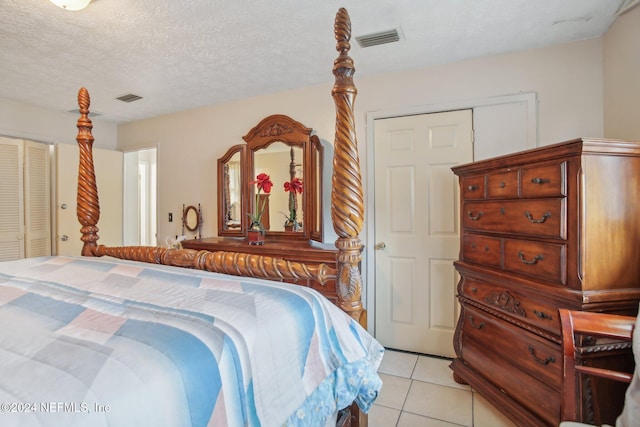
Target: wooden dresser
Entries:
(289, 250)
(556, 226)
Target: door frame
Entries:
(368, 273)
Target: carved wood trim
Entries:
(347, 200)
(505, 301)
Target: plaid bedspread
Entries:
(103, 342)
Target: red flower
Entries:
(264, 183)
(294, 186)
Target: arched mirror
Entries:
(231, 206)
(283, 152)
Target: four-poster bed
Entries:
(195, 325)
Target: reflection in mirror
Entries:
(315, 187)
(284, 164)
(232, 193)
(230, 196)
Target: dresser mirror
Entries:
(231, 205)
(291, 157)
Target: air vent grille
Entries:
(129, 97)
(382, 37)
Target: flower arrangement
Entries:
(293, 187)
(263, 183)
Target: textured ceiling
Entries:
(185, 54)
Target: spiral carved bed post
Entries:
(88, 208)
(347, 205)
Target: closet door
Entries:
(11, 200)
(37, 198)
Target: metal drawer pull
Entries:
(474, 324)
(474, 218)
(535, 259)
(540, 180)
(502, 185)
(473, 187)
(542, 315)
(546, 361)
(537, 221)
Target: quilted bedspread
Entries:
(104, 342)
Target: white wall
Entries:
(567, 79)
(20, 120)
(622, 77)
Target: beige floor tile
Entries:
(381, 416)
(437, 371)
(398, 363)
(394, 391)
(443, 403)
(412, 420)
(486, 415)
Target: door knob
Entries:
(380, 246)
(64, 238)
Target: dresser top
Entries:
(579, 146)
(275, 248)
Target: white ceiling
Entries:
(185, 54)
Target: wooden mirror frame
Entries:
(281, 128)
(276, 128)
(188, 211)
(191, 211)
(223, 195)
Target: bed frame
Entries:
(347, 210)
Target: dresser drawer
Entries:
(536, 217)
(544, 181)
(482, 250)
(545, 261)
(521, 307)
(518, 363)
(472, 187)
(502, 185)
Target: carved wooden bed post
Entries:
(347, 205)
(89, 210)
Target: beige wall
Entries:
(567, 78)
(20, 120)
(622, 77)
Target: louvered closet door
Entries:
(11, 200)
(37, 200)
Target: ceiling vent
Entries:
(128, 98)
(382, 37)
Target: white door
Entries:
(417, 229)
(37, 199)
(11, 199)
(109, 177)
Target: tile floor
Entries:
(419, 391)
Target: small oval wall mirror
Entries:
(192, 219)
